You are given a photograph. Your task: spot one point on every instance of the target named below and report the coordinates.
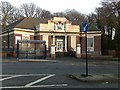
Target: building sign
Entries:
(59, 26)
(25, 37)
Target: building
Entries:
(58, 31)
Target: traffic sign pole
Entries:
(86, 55)
(85, 29)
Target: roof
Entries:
(26, 23)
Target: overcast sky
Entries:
(83, 6)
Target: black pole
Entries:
(35, 50)
(86, 55)
(45, 53)
(17, 49)
(4, 49)
(35, 38)
(8, 44)
(35, 34)
(27, 50)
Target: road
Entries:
(35, 75)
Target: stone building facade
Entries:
(58, 31)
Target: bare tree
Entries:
(92, 20)
(58, 14)
(6, 11)
(38, 12)
(16, 15)
(46, 14)
(74, 16)
(28, 9)
(31, 10)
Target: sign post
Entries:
(85, 29)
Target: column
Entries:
(52, 51)
(78, 51)
(53, 48)
(53, 39)
(65, 43)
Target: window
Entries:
(11, 40)
(17, 38)
(90, 42)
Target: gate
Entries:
(31, 49)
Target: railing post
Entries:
(45, 53)
(17, 49)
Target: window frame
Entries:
(90, 48)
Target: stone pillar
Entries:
(78, 51)
(65, 43)
(53, 39)
(53, 51)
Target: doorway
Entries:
(59, 45)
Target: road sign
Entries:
(85, 27)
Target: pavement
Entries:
(96, 77)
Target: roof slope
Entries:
(30, 23)
(27, 23)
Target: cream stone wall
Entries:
(73, 28)
(45, 37)
(73, 42)
(92, 33)
(60, 19)
(69, 28)
(51, 25)
(23, 31)
(44, 27)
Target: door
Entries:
(59, 45)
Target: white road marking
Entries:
(29, 85)
(39, 80)
(37, 86)
(10, 77)
(26, 75)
